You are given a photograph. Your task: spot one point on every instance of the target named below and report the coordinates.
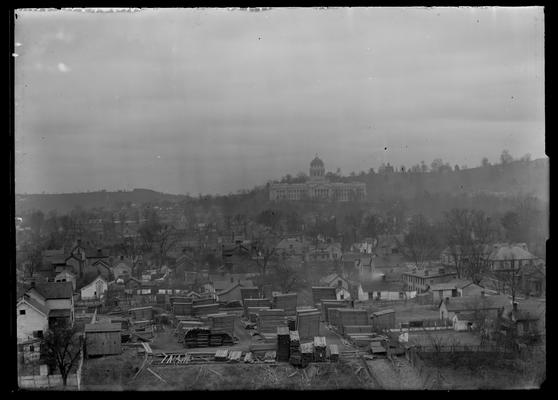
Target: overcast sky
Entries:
(216, 100)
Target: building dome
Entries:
(316, 162)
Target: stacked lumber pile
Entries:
(235, 356)
(247, 303)
(249, 293)
(320, 293)
(352, 316)
(308, 324)
(252, 313)
(269, 320)
(184, 326)
(270, 356)
(295, 357)
(205, 309)
(307, 353)
(197, 337)
(291, 322)
(365, 339)
(221, 355)
(333, 353)
(182, 308)
(249, 357)
(179, 299)
(222, 322)
(283, 343)
(203, 302)
(320, 348)
(352, 329)
(287, 302)
(333, 316)
(263, 347)
(220, 339)
(327, 304)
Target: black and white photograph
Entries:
(279, 198)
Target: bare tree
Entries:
(265, 244)
(63, 347)
(167, 239)
(285, 274)
(421, 244)
(468, 233)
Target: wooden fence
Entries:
(47, 381)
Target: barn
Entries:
(102, 339)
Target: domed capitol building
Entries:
(318, 187)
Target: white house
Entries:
(342, 293)
(32, 318)
(94, 289)
(464, 321)
(58, 297)
(381, 289)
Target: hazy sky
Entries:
(215, 100)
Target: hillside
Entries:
(65, 202)
(496, 181)
(514, 179)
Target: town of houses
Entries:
(237, 289)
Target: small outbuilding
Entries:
(102, 339)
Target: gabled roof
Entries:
(330, 278)
(35, 304)
(94, 280)
(102, 261)
(54, 290)
(104, 327)
(382, 286)
(510, 252)
(465, 316)
(476, 303)
(59, 313)
(442, 286)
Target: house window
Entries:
(341, 296)
(21, 312)
(339, 283)
(31, 348)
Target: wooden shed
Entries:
(102, 339)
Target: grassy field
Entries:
(116, 373)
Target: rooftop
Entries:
(104, 327)
(55, 290)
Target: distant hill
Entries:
(514, 179)
(65, 202)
